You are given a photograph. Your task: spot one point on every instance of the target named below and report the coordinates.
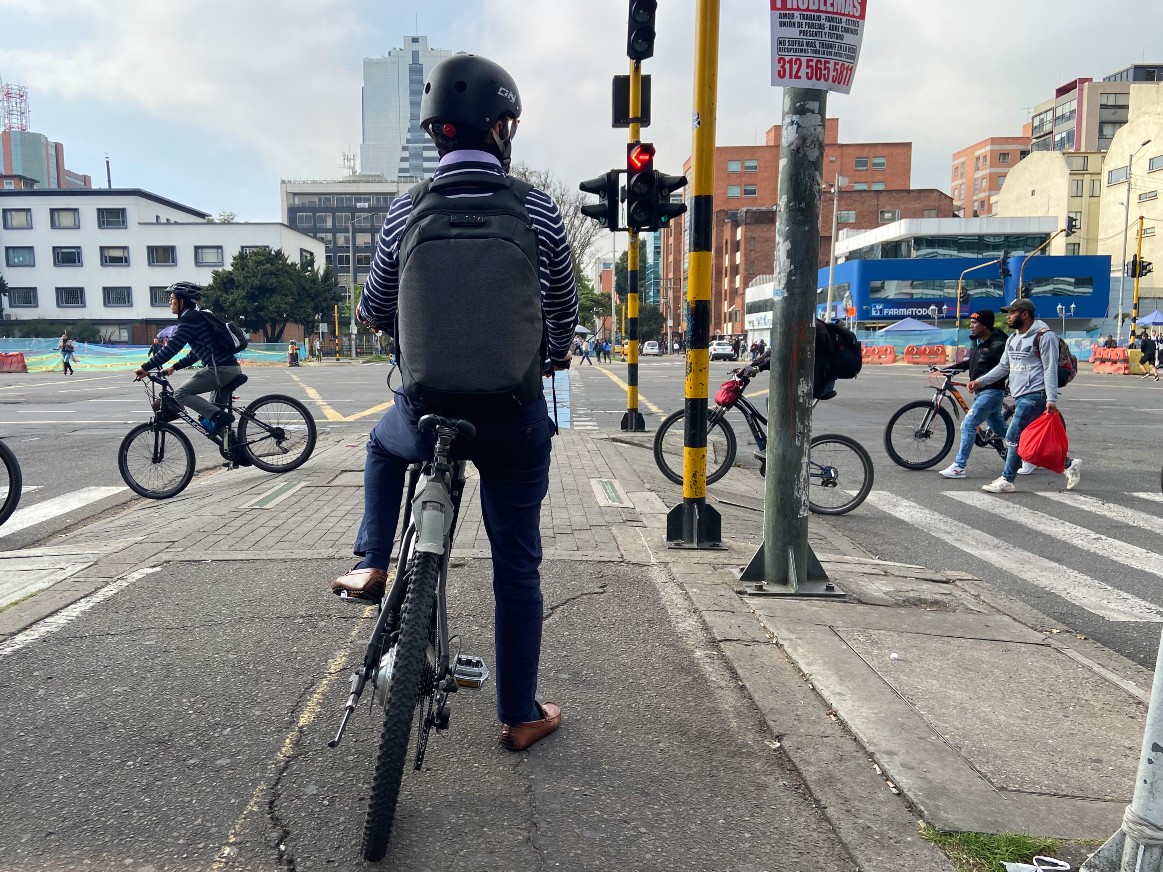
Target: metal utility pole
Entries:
(838, 181)
(694, 523)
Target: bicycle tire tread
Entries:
(253, 412)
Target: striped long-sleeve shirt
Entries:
(193, 330)
(377, 304)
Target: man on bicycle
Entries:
(220, 366)
(988, 347)
(470, 110)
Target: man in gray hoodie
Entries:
(1030, 363)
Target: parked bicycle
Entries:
(12, 482)
(840, 471)
(408, 661)
(920, 434)
(275, 433)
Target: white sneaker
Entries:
(1027, 468)
(952, 471)
(1073, 474)
(999, 486)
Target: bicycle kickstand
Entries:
(357, 683)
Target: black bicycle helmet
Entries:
(468, 93)
(187, 291)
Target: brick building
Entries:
(980, 170)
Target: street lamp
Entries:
(1062, 314)
(933, 314)
(351, 248)
(1126, 226)
(840, 180)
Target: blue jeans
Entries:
(986, 408)
(1027, 409)
(511, 453)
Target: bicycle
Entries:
(13, 482)
(840, 471)
(920, 434)
(275, 433)
(407, 661)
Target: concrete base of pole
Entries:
(817, 583)
(633, 421)
(694, 524)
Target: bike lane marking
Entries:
(1095, 596)
(329, 412)
(641, 399)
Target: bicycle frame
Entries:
(227, 437)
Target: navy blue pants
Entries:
(511, 453)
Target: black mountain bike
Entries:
(11, 484)
(275, 433)
(408, 660)
(839, 469)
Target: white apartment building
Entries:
(393, 144)
(108, 255)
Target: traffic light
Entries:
(1133, 266)
(1003, 265)
(664, 186)
(641, 200)
(1145, 267)
(640, 30)
(1071, 223)
(605, 211)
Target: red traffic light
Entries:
(640, 156)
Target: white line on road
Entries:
(69, 614)
(74, 421)
(22, 519)
(1082, 590)
(1149, 495)
(1115, 512)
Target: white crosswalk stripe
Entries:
(1075, 587)
(1113, 511)
(22, 519)
(1149, 495)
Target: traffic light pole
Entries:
(960, 279)
(1138, 275)
(693, 523)
(632, 421)
(784, 564)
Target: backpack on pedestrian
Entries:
(227, 336)
(469, 266)
(845, 357)
(1067, 362)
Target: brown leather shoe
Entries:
(365, 584)
(520, 736)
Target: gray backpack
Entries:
(469, 273)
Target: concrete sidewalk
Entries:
(989, 719)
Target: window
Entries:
(929, 213)
(21, 298)
(1077, 216)
(247, 249)
(159, 295)
(304, 219)
(977, 186)
(1107, 129)
(846, 216)
(19, 255)
(343, 261)
(734, 166)
(1065, 112)
(1077, 187)
(1148, 195)
(889, 215)
(750, 166)
(1042, 122)
(1114, 99)
(342, 219)
(208, 255)
(1096, 187)
(363, 240)
(732, 191)
(70, 297)
(1073, 248)
(112, 219)
(1155, 163)
(114, 255)
(64, 219)
(977, 162)
(306, 257)
(861, 163)
(17, 219)
(879, 163)
(956, 172)
(1077, 163)
(163, 255)
(66, 255)
(860, 186)
(1003, 157)
(750, 190)
(1064, 141)
(363, 260)
(328, 239)
(119, 296)
(1001, 180)
(323, 220)
(1119, 174)
(877, 186)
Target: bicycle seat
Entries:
(462, 427)
(235, 383)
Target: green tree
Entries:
(38, 328)
(592, 305)
(583, 232)
(85, 331)
(265, 292)
(649, 321)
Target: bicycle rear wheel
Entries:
(408, 657)
(839, 474)
(12, 483)
(156, 460)
(277, 433)
(721, 445)
(918, 438)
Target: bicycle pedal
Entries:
(470, 671)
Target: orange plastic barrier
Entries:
(12, 361)
(913, 354)
(934, 354)
(867, 353)
(883, 354)
(962, 355)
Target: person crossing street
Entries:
(988, 347)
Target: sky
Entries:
(212, 102)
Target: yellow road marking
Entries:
(329, 412)
(641, 400)
(310, 713)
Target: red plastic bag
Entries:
(1044, 442)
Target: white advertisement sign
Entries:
(816, 43)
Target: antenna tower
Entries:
(350, 164)
(13, 107)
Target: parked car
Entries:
(651, 347)
(723, 350)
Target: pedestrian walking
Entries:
(66, 347)
(585, 353)
(606, 351)
(988, 346)
(1148, 348)
(156, 345)
(292, 353)
(1030, 362)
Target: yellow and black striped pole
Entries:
(694, 523)
(632, 420)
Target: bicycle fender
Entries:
(432, 509)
